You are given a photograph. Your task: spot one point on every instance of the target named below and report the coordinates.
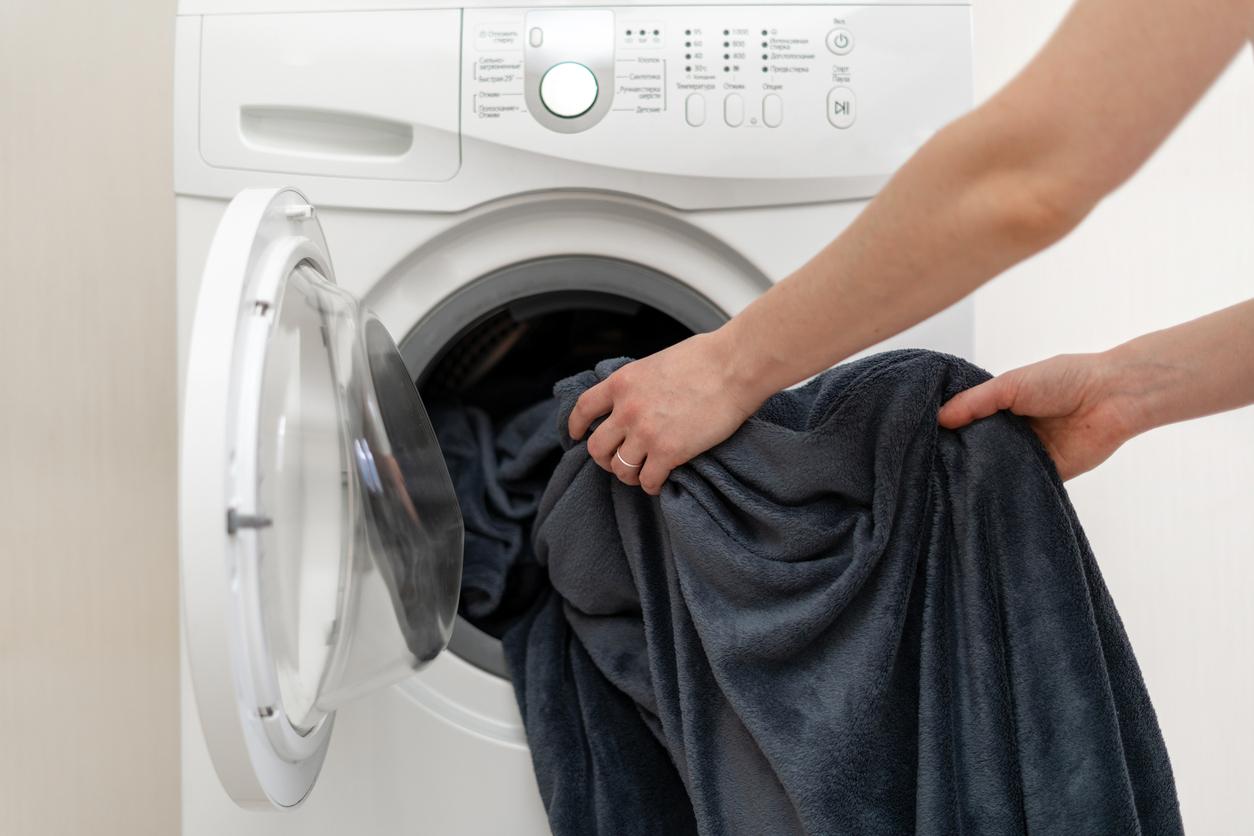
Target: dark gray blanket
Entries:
(499, 474)
(500, 470)
(843, 620)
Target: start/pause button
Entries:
(842, 107)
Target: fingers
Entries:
(628, 454)
(977, 402)
(592, 404)
(624, 432)
(654, 473)
(603, 443)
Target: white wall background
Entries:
(88, 583)
(1171, 515)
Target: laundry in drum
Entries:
(490, 398)
(842, 620)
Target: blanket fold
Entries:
(499, 474)
(844, 619)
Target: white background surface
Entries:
(1171, 515)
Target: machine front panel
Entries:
(442, 109)
(732, 92)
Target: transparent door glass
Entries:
(360, 567)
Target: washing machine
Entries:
(378, 196)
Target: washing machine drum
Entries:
(491, 351)
(321, 542)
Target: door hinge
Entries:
(235, 521)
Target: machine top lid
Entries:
(218, 7)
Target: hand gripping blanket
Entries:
(842, 620)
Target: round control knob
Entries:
(568, 89)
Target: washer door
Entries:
(321, 541)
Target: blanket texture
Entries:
(499, 473)
(844, 619)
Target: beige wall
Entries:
(88, 585)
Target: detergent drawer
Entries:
(369, 95)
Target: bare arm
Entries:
(998, 185)
(1084, 406)
(986, 192)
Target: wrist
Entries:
(1136, 386)
(749, 372)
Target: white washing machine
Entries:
(461, 171)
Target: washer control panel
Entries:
(568, 67)
(718, 91)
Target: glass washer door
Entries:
(321, 540)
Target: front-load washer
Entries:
(376, 197)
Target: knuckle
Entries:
(596, 446)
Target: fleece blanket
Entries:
(499, 473)
(844, 619)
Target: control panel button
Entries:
(492, 37)
(840, 41)
(568, 89)
(734, 109)
(842, 107)
(694, 109)
(536, 37)
(772, 110)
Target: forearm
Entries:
(967, 206)
(994, 187)
(1194, 369)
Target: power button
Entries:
(840, 41)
